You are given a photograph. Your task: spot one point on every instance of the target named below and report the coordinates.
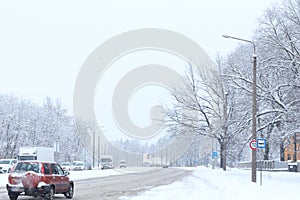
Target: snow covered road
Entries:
(112, 187)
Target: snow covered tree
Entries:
(278, 41)
(200, 108)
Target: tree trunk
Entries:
(267, 150)
(281, 151)
(295, 148)
(8, 141)
(222, 154)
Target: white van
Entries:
(78, 165)
(6, 165)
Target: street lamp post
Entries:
(98, 150)
(93, 149)
(253, 162)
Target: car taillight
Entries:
(10, 180)
(13, 180)
(42, 169)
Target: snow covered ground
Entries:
(234, 184)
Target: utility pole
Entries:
(99, 150)
(93, 149)
(254, 106)
(295, 148)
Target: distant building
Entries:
(290, 150)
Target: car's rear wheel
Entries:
(69, 194)
(50, 194)
(13, 195)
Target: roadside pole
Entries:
(214, 159)
(262, 155)
(261, 144)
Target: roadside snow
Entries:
(78, 175)
(3, 180)
(234, 184)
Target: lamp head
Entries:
(226, 36)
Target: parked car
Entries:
(122, 164)
(37, 178)
(6, 165)
(66, 166)
(78, 165)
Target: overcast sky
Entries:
(43, 44)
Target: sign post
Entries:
(214, 158)
(261, 144)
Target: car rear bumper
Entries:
(32, 191)
(77, 169)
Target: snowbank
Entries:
(234, 184)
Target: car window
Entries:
(5, 162)
(65, 164)
(106, 160)
(34, 167)
(46, 168)
(54, 169)
(59, 170)
(79, 164)
(25, 167)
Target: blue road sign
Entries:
(261, 143)
(214, 154)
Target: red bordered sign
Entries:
(253, 145)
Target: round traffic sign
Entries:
(253, 145)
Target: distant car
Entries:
(78, 165)
(6, 165)
(37, 178)
(122, 164)
(66, 166)
(165, 166)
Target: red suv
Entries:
(36, 178)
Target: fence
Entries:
(265, 165)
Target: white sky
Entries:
(44, 43)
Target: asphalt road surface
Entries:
(113, 187)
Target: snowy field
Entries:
(234, 184)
